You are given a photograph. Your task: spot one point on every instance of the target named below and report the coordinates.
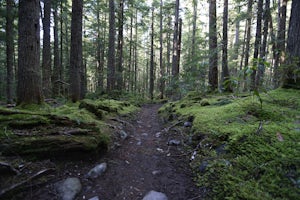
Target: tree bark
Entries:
(248, 38)
(193, 53)
(151, 88)
(225, 72)
(46, 57)
(57, 70)
(111, 49)
(29, 78)
(261, 65)
(162, 67)
(120, 47)
(213, 47)
(257, 44)
(9, 50)
(281, 40)
(291, 77)
(175, 69)
(76, 63)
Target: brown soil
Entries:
(142, 162)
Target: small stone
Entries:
(145, 134)
(123, 134)
(153, 195)
(139, 143)
(97, 171)
(157, 134)
(160, 150)
(156, 172)
(174, 142)
(69, 188)
(94, 198)
(187, 124)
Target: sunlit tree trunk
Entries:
(29, 78)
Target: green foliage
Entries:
(260, 157)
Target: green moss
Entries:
(261, 165)
(56, 145)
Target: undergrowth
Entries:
(244, 150)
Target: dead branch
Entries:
(124, 122)
(8, 168)
(260, 127)
(172, 126)
(22, 183)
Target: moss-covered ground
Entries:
(245, 149)
(71, 128)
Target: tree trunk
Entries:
(169, 52)
(280, 52)
(179, 43)
(120, 47)
(151, 88)
(57, 71)
(261, 66)
(29, 79)
(291, 77)
(237, 42)
(136, 51)
(9, 50)
(175, 64)
(247, 50)
(76, 63)
(162, 67)
(225, 72)
(130, 54)
(213, 47)
(175, 69)
(111, 49)
(193, 54)
(46, 59)
(257, 44)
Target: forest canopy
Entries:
(154, 48)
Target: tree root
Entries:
(24, 183)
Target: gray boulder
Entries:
(153, 195)
(97, 171)
(69, 188)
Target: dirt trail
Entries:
(143, 162)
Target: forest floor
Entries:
(146, 160)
